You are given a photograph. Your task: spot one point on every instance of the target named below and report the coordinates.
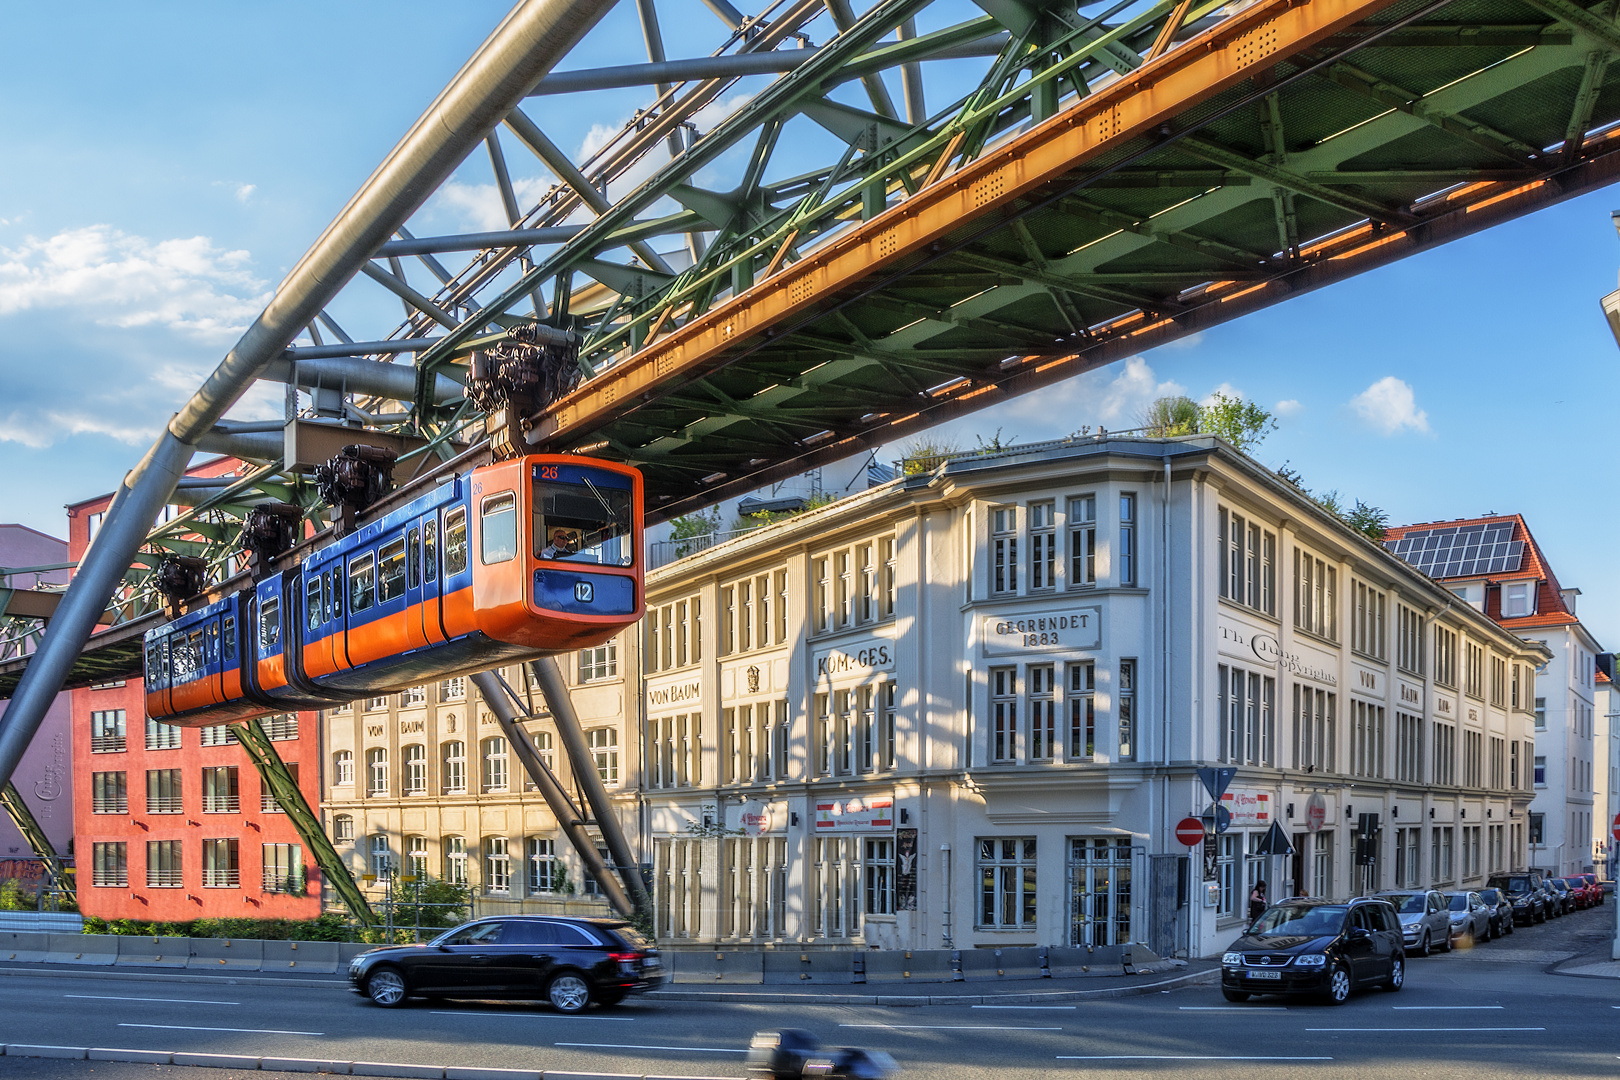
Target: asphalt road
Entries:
(1493, 1012)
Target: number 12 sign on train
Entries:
(512, 561)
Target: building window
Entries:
(604, 748)
(1042, 545)
(219, 790)
(1322, 860)
(1007, 882)
(382, 855)
(1042, 713)
(1127, 710)
(877, 869)
(1473, 759)
(1541, 771)
(1004, 550)
(111, 867)
(1473, 669)
(217, 735)
(415, 769)
(1538, 825)
(280, 727)
(1367, 622)
(283, 866)
(823, 589)
(1083, 540)
(1082, 711)
(163, 792)
(1248, 573)
(161, 736)
(1471, 851)
(343, 768)
(455, 768)
(834, 893)
(412, 695)
(1442, 868)
(416, 856)
(1247, 704)
(1517, 600)
(497, 866)
(1541, 714)
(845, 584)
(1003, 715)
(1228, 867)
(1409, 653)
(1445, 754)
(107, 731)
(109, 793)
(601, 662)
(1366, 739)
(1127, 539)
(876, 735)
(1315, 595)
(377, 771)
(1499, 681)
(455, 859)
(453, 689)
(1315, 729)
(886, 588)
(1099, 891)
(376, 704)
(221, 869)
(1406, 858)
(163, 866)
(494, 759)
(1408, 749)
(342, 828)
(543, 865)
(1445, 657)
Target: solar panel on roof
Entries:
(1462, 550)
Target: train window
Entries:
(334, 597)
(212, 640)
(156, 663)
(391, 571)
(413, 559)
(230, 638)
(455, 541)
(188, 658)
(362, 574)
(582, 515)
(500, 528)
(270, 625)
(430, 549)
(312, 602)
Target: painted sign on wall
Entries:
(869, 814)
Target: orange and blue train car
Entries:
(524, 558)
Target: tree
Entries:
(1241, 423)
(1364, 518)
(1173, 415)
(690, 531)
(924, 455)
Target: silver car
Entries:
(1470, 918)
(1425, 922)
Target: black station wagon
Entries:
(1326, 947)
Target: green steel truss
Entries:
(26, 824)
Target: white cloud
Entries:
(1226, 390)
(115, 279)
(1390, 406)
(479, 206)
(244, 192)
(35, 430)
(1288, 407)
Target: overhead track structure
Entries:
(846, 224)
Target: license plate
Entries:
(1265, 974)
(652, 962)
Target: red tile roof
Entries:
(1550, 607)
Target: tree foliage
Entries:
(1241, 423)
(1176, 414)
(925, 454)
(1368, 520)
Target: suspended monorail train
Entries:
(523, 558)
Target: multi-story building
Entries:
(423, 782)
(173, 824)
(1606, 768)
(968, 708)
(1495, 565)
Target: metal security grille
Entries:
(1099, 891)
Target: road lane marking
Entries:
(165, 1001)
(248, 1031)
(1049, 1008)
(1431, 1029)
(626, 1046)
(1183, 1057)
(1444, 1008)
(1233, 1008)
(526, 1015)
(948, 1027)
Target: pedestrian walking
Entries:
(1257, 901)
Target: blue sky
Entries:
(167, 163)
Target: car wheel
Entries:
(1338, 991)
(1448, 944)
(1234, 995)
(386, 987)
(1510, 926)
(568, 992)
(1397, 975)
(1423, 946)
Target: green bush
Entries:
(12, 897)
(328, 927)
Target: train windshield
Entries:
(583, 515)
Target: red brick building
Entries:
(173, 823)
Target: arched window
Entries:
(497, 866)
(415, 769)
(494, 764)
(377, 771)
(455, 860)
(455, 768)
(343, 768)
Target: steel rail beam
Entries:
(522, 49)
(1137, 104)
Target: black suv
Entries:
(1310, 946)
(1524, 891)
(568, 962)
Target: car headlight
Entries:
(1232, 959)
(1314, 959)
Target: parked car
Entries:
(1424, 919)
(1311, 946)
(1596, 885)
(1580, 892)
(1470, 918)
(1501, 911)
(569, 962)
(1524, 892)
(1564, 900)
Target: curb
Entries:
(34, 972)
(734, 997)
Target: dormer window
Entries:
(1517, 599)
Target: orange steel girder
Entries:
(1236, 49)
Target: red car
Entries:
(1580, 892)
(1596, 885)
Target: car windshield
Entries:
(469, 934)
(630, 935)
(583, 515)
(1490, 896)
(1286, 920)
(1518, 884)
(1458, 902)
(1411, 904)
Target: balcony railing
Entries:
(221, 804)
(163, 879)
(268, 804)
(291, 884)
(106, 744)
(164, 804)
(221, 879)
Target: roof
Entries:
(1550, 607)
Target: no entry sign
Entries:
(1615, 828)
(1190, 831)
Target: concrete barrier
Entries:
(908, 966)
(321, 956)
(163, 952)
(228, 954)
(348, 950)
(24, 948)
(826, 966)
(717, 966)
(100, 950)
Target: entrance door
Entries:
(1099, 891)
(1297, 867)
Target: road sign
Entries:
(1275, 842)
(1215, 781)
(1217, 818)
(1190, 831)
(1615, 828)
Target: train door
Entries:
(432, 608)
(213, 667)
(460, 617)
(416, 610)
(157, 680)
(317, 644)
(268, 656)
(230, 665)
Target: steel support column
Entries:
(555, 690)
(532, 38)
(568, 818)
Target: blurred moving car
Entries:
(1311, 946)
(569, 962)
(1424, 919)
(1501, 911)
(1524, 891)
(1470, 919)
